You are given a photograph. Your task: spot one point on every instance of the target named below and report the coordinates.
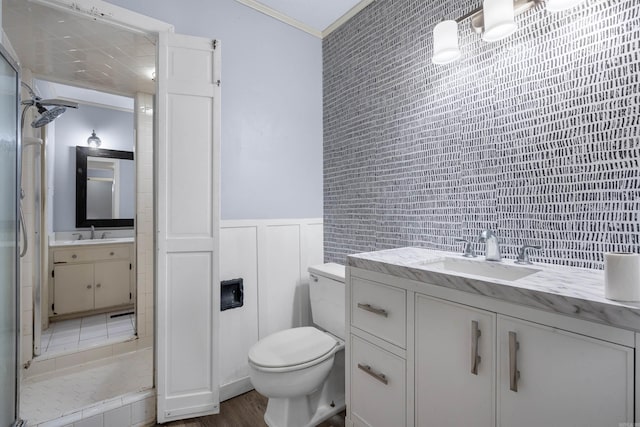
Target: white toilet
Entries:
(301, 370)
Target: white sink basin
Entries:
(494, 270)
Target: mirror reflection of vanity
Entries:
(105, 190)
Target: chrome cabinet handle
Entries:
(514, 374)
(380, 377)
(475, 358)
(374, 310)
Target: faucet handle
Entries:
(77, 234)
(468, 249)
(523, 256)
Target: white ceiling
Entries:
(317, 17)
(77, 50)
(73, 49)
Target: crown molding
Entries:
(281, 17)
(301, 25)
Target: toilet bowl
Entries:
(301, 370)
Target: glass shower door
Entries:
(9, 132)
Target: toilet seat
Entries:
(292, 349)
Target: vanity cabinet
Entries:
(548, 376)
(378, 359)
(85, 279)
(455, 364)
(475, 361)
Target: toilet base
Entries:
(312, 409)
(296, 412)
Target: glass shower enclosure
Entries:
(9, 270)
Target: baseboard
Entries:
(235, 388)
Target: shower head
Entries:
(58, 103)
(47, 116)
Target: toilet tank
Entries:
(327, 296)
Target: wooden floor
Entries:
(246, 410)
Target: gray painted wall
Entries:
(115, 129)
(536, 136)
(271, 106)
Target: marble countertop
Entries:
(577, 292)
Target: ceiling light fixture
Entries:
(93, 140)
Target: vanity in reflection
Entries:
(92, 269)
(91, 276)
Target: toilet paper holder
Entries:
(231, 294)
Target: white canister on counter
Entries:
(622, 276)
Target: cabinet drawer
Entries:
(91, 254)
(378, 386)
(380, 310)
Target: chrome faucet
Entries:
(93, 232)
(523, 257)
(492, 246)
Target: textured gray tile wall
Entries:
(536, 137)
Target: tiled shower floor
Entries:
(76, 334)
(52, 395)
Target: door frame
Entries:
(133, 21)
(13, 63)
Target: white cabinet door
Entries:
(73, 288)
(378, 386)
(112, 283)
(455, 373)
(565, 379)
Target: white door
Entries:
(455, 364)
(564, 379)
(188, 288)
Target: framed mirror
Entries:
(105, 188)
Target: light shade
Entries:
(499, 19)
(445, 42)
(560, 5)
(93, 140)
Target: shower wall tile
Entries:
(536, 136)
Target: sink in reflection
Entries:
(494, 270)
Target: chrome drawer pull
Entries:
(475, 358)
(375, 310)
(380, 377)
(514, 374)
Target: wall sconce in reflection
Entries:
(93, 140)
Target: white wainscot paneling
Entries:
(238, 326)
(272, 257)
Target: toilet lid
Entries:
(291, 347)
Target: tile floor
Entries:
(56, 394)
(76, 334)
